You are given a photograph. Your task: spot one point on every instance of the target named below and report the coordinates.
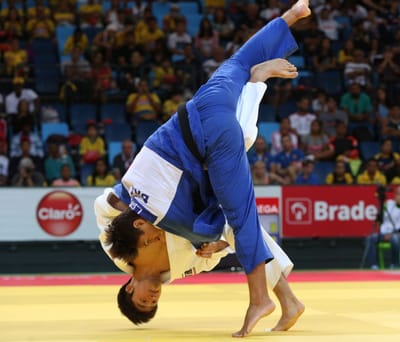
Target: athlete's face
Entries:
(146, 293)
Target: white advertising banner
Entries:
(56, 214)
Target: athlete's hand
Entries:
(207, 249)
(278, 67)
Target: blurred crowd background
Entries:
(83, 83)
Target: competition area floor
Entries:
(340, 306)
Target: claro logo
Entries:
(59, 213)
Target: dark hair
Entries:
(122, 237)
(129, 310)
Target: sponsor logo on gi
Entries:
(135, 192)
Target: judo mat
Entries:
(340, 306)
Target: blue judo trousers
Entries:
(205, 199)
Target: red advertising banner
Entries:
(328, 211)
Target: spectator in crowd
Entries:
(358, 70)
(307, 176)
(78, 80)
(172, 103)
(312, 37)
(381, 106)
(324, 58)
(339, 175)
(276, 136)
(144, 104)
(207, 39)
(328, 25)
(301, 120)
(128, 44)
(212, 63)
(150, 34)
(64, 15)
(32, 12)
(371, 174)
(123, 160)
(187, 71)
(171, 21)
(16, 60)
(26, 133)
(346, 54)
(388, 232)
(90, 14)
(134, 71)
(27, 176)
(391, 125)
(272, 11)
(21, 93)
(344, 144)
(78, 39)
(318, 104)
(178, 39)
(287, 163)
(66, 178)
(25, 147)
(56, 158)
(23, 115)
(316, 143)
(259, 152)
(387, 158)
(91, 146)
(41, 26)
(139, 8)
(13, 24)
(4, 164)
(164, 79)
(356, 104)
(102, 78)
(261, 176)
(389, 71)
(101, 175)
(223, 25)
(331, 116)
(259, 173)
(105, 42)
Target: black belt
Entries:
(187, 134)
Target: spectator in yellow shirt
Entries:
(14, 23)
(101, 175)
(16, 59)
(171, 105)
(33, 12)
(371, 175)
(339, 174)
(90, 14)
(77, 39)
(41, 26)
(64, 15)
(143, 105)
(91, 147)
(150, 34)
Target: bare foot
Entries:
(289, 317)
(298, 11)
(253, 315)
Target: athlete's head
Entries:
(128, 234)
(137, 300)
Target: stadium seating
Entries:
(266, 129)
(85, 171)
(113, 111)
(144, 129)
(287, 108)
(267, 113)
(81, 114)
(113, 148)
(368, 149)
(117, 132)
(59, 128)
(322, 169)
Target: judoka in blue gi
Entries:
(192, 174)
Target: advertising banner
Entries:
(48, 214)
(328, 211)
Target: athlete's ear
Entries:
(138, 224)
(131, 286)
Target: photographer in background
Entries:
(389, 231)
